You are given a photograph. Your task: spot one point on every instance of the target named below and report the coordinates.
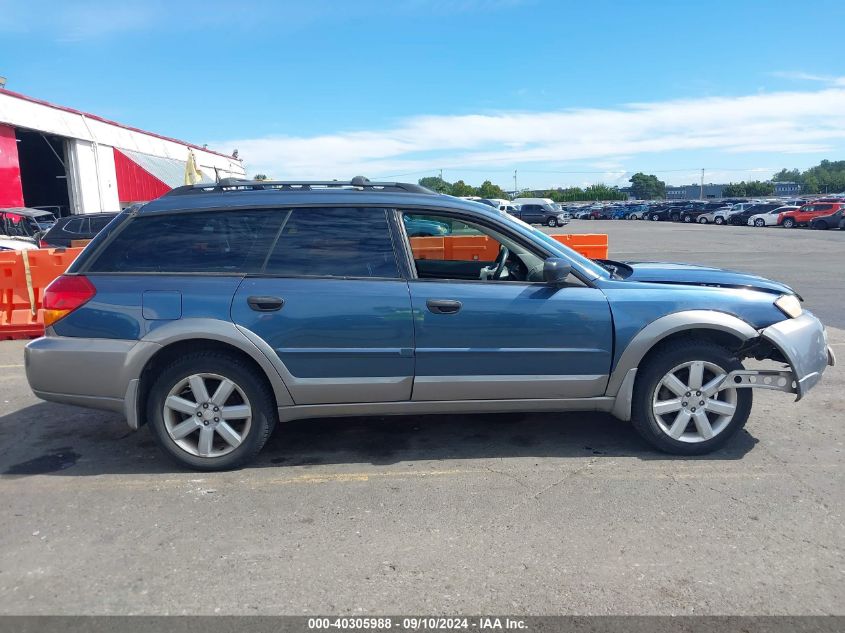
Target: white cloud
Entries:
(784, 122)
(797, 75)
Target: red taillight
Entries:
(43, 244)
(64, 295)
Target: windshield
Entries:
(588, 264)
(16, 225)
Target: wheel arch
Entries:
(187, 335)
(722, 328)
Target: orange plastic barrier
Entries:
(455, 248)
(23, 277)
(592, 245)
(485, 249)
(428, 247)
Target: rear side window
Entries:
(199, 242)
(74, 225)
(334, 242)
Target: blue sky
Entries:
(567, 93)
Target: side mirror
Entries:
(556, 270)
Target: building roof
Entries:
(171, 171)
(94, 117)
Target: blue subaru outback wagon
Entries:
(217, 310)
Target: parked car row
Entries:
(824, 213)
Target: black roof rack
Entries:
(239, 184)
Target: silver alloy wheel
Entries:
(759, 222)
(207, 425)
(688, 404)
(702, 220)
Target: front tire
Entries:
(821, 225)
(702, 220)
(759, 222)
(655, 218)
(211, 411)
(552, 223)
(667, 410)
(687, 219)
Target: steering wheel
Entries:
(500, 262)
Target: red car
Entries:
(804, 215)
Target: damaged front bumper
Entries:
(802, 342)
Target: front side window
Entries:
(196, 242)
(471, 252)
(335, 242)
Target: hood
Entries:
(692, 275)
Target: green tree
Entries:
(489, 190)
(647, 186)
(436, 183)
(810, 184)
(601, 191)
(460, 188)
(759, 188)
(787, 175)
(734, 190)
(750, 188)
(826, 177)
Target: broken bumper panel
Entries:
(803, 343)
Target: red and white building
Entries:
(67, 161)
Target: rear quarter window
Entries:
(194, 242)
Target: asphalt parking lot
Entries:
(523, 514)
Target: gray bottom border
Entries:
(525, 624)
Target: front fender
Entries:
(670, 324)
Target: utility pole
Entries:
(701, 191)
(441, 174)
(515, 188)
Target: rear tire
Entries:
(720, 221)
(724, 412)
(655, 218)
(233, 440)
(820, 225)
